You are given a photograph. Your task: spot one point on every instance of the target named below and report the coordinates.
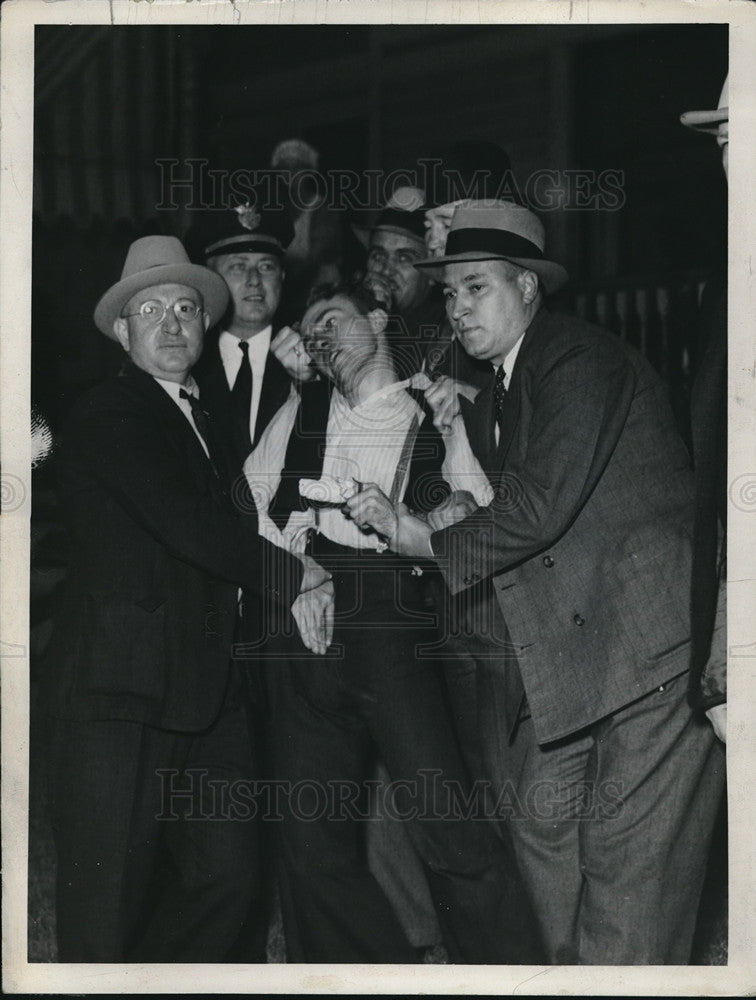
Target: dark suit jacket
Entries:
(147, 617)
(216, 396)
(588, 540)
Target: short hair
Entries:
(512, 270)
(361, 297)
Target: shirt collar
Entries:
(173, 388)
(228, 344)
(509, 361)
(375, 398)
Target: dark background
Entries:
(111, 101)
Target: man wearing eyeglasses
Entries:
(150, 750)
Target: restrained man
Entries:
(380, 691)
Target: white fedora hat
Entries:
(160, 260)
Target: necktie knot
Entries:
(244, 347)
(193, 401)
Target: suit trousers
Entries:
(155, 863)
(376, 693)
(611, 826)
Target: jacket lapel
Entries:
(177, 427)
(275, 389)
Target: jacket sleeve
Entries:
(573, 410)
(126, 453)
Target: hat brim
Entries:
(210, 285)
(363, 233)
(705, 121)
(553, 276)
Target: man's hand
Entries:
(288, 348)
(457, 506)
(717, 716)
(313, 608)
(380, 289)
(443, 398)
(371, 508)
(406, 534)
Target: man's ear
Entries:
(121, 330)
(529, 284)
(205, 321)
(378, 320)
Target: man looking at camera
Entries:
(148, 721)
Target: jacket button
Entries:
(548, 561)
(579, 620)
(470, 579)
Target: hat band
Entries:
(496, 241)
(250, 239)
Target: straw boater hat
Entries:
(709, 121)
(498, 230)
(160, 260)
(404, 214)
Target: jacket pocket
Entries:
(122, 651)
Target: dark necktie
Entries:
(500, 396)
(241, 398)
(202, 424)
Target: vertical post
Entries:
(563, 227)
(375, 137)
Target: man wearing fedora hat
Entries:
(582, 559)
(241, 380)
(148, 725)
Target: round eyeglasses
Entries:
(154, 312)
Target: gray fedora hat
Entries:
(498, 230)
(160, 260)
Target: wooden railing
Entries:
(656, 314)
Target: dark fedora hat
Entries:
(404, 214)
(250, 227)
(159, 260)
(498, 230)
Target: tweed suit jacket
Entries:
(588, 540)
(159, 551)
(216, 396)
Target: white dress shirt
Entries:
(232, 356)
(363, 443)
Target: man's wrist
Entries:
(412, 537)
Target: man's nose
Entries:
(253, 276)
(380, 265)
(458, 308)
(170, 321)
